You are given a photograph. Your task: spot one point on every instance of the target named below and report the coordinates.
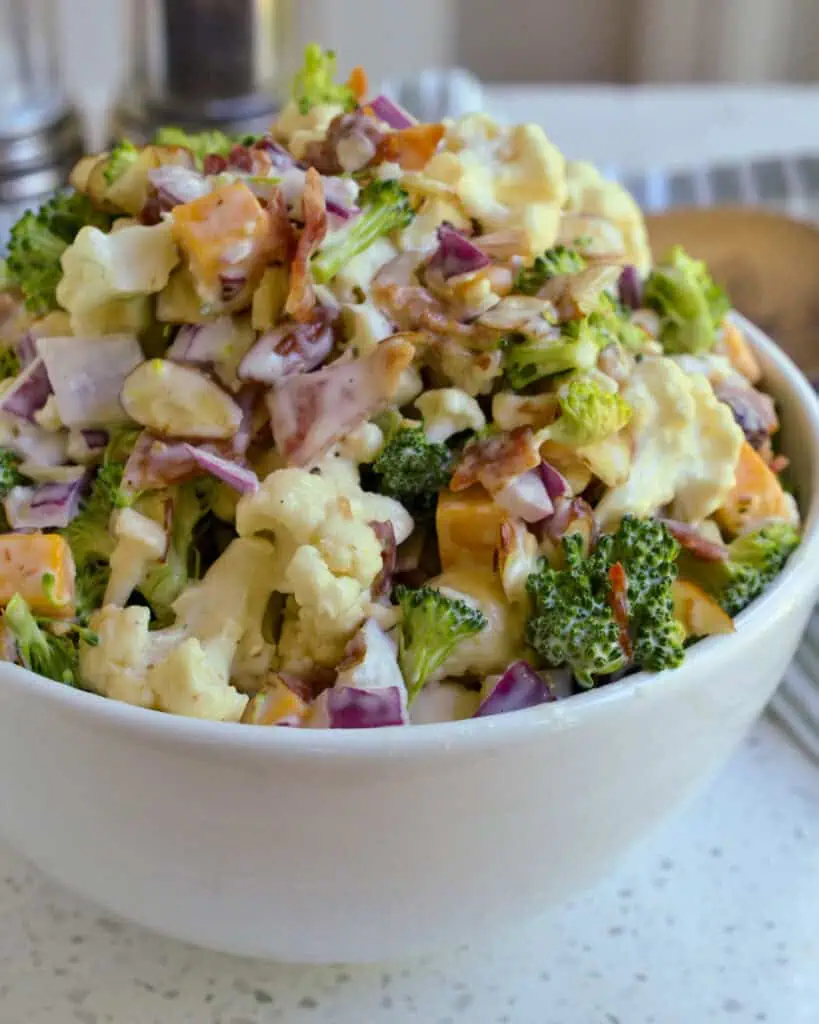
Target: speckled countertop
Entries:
(713, 920)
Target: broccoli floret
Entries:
(168, 578)
(555, 261)
(39, 239)
(648, 554)
(412, 470)
(9, 363)
(573, 621)
(612, 324)
(122, 156)
(88, 534)
(10, 475)
(754, 560)
(314, 83)
(432, 626)
(527, 358)
(201, 144)
(40, 650)
(385, 207)
(690, 304)
(589, 412)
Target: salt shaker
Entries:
(202, 64)
(40, 133)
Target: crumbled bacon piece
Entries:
(301, 298)
(618, 602)
(494, 461)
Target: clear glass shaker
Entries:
(203, 64)
(40, 133)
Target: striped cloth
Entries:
(790, 186)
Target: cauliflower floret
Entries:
(194, 680)
(116, 666)
(444, 702)
(363, 444)
(686, 444)
(140, 541)
(410, 385)
(504, 177)
(590, 193)
(327, 554)
(448, 411)
(102, 274)
(350, 548)
(241, 581)
(510, 410)
(500, 641)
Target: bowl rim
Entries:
(799, 581)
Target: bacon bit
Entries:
(411, 148)
(389, 558)
(495, 460)
(214, 163)
(779, 463)
(357, 83)
(351, 143)
(692, 540)
(618, 601)
(311, 411)
(301, 298)
(281, 239)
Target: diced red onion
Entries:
(202, 344)
(29, 393)
(342, 212)
(88, 375)
(690, 538)
(526, 497)
(176, 185)
(95, 439)
(26, 349)
(287, 350)
(280, 158)
(519, 687)
(557, 486)
(630, 287)
(155, 464)
(456, 254)
(390, 113)
(49, 506)
(240, 478)
(339, 197)
(351, 708)
(241, 158)
(754, 411)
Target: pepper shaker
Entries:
(202, 64)
(40, 133)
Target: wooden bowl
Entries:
(768, 263)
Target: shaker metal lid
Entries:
(37, 145)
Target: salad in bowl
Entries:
(366, 422)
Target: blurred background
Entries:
(622, 41)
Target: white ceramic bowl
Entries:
(356, 846)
